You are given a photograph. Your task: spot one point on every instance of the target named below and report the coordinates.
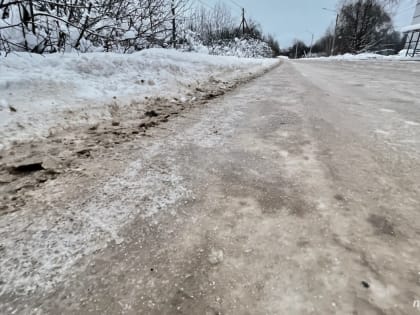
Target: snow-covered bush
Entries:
(237, 47)
(244, 47)
(85, 25)
(190, 41)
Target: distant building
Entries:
(413, 33)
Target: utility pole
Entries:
(335, 34)
(173, 24)
(312, 43)
(244, 23)
(335, 29)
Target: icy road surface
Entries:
(297, 193)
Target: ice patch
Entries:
(284, 154)
(386, 110)
(283, 134)
(382, 132)
(3, 104)
(411, 123)
(409, 141)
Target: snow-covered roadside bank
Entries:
(43, 93)
(367, 56)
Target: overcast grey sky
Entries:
(290, 19)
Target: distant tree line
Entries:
(362, 26)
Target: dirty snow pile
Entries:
(61, 90)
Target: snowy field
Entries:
(40, 94)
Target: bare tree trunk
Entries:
(85, 25)
(173, 24)
(23, 18)
(31, 10)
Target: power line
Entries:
(206, 5)
(244, 23)
(236, 3)
(213, 8)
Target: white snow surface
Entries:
(367, 56)
(61, 90)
